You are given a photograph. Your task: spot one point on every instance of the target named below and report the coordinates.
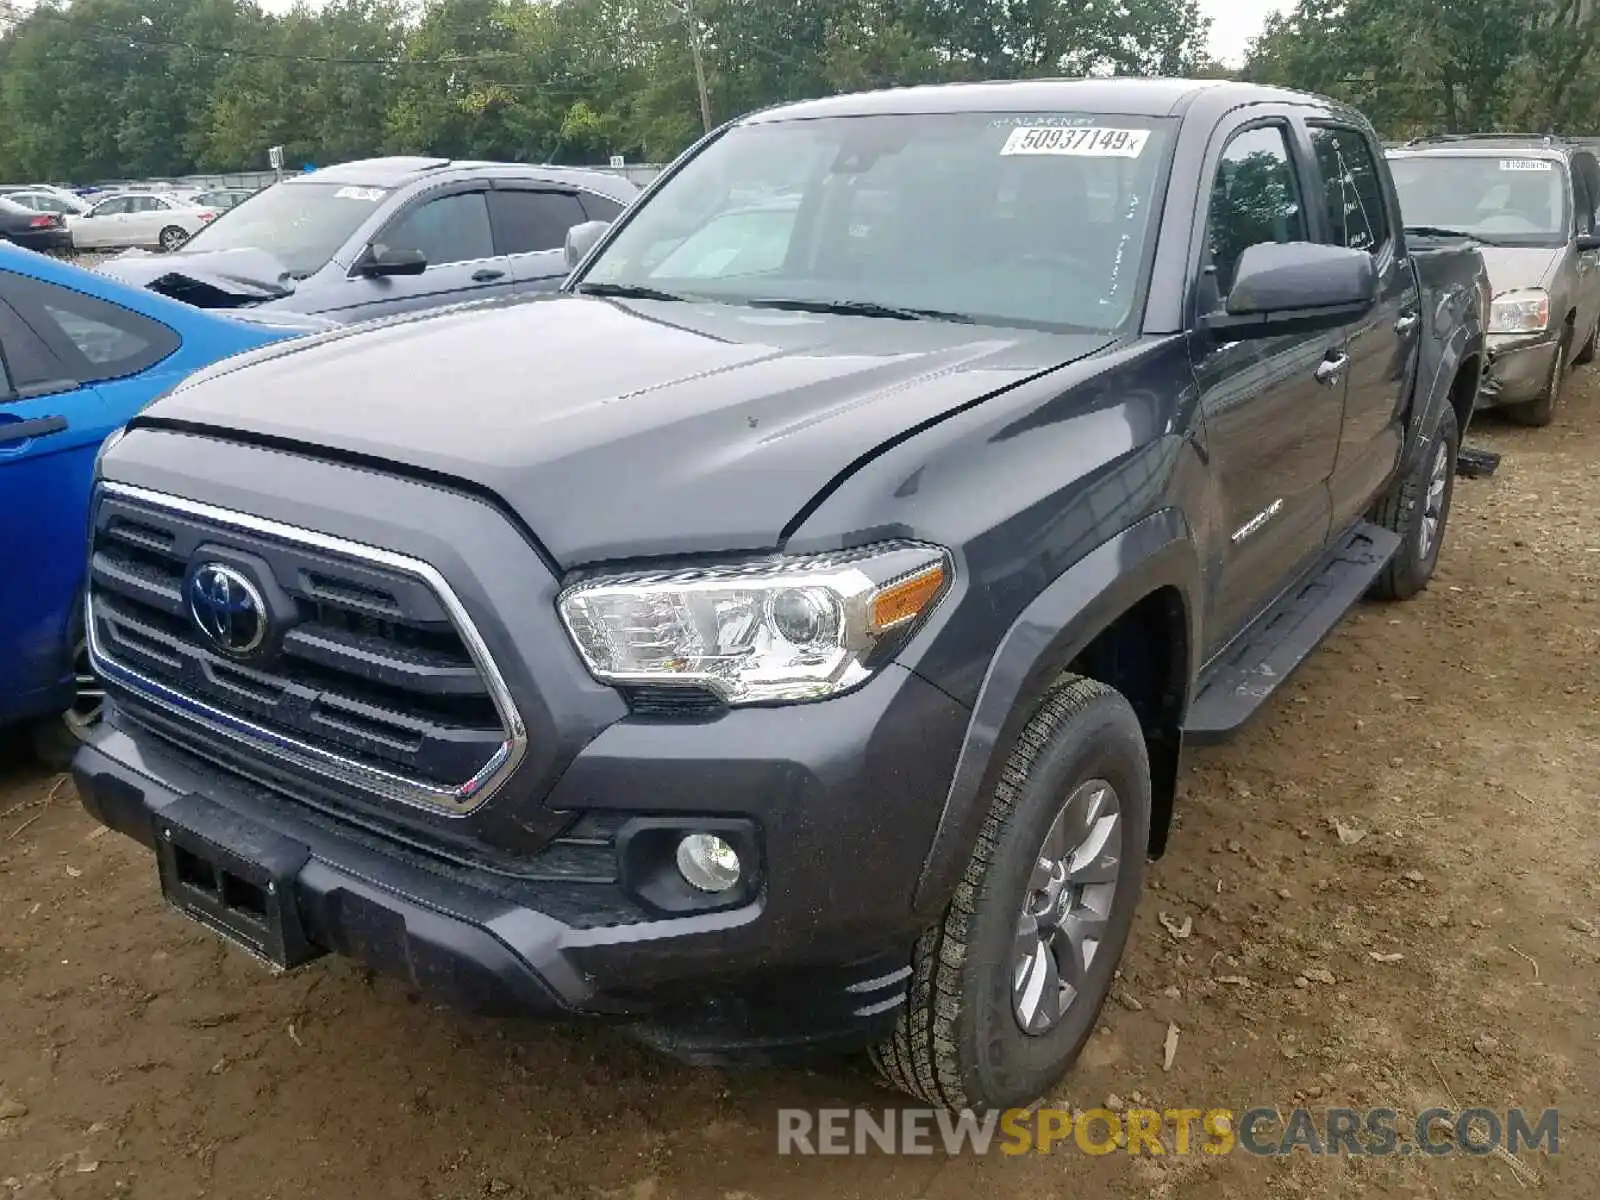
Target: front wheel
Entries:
(172, 237)
(1542, 411)
(56, 739)
(1006, 988)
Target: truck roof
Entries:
(1129, 97)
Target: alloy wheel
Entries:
(1067, 911)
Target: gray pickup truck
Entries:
(787, 635)
(1530, 203)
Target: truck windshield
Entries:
(1501, 198)
(299, 224)
(1017, 219)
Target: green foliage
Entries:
(1451, 66)
(96, 89)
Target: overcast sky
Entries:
(1233, 22)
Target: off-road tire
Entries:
(1540, 412)
(1403, 510)
(957, 1043)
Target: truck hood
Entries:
(205, 278)
(619, 429)
(1515, 267)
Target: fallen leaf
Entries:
(1348, 834)
(1170, 1049)
(1180, 930)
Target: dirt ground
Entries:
(1389, 884)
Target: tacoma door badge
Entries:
(1254, 524)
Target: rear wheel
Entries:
(1006, 988)
(1418, 509)
(172, 237)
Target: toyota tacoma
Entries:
(785, 636)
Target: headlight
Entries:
(1520, 312)
(780, 629)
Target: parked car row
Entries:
(119, 220)
(772, 616)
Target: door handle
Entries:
(1329, 369)
(487, 275)
(1406, 324)
(21, 431)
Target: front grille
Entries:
(372, 673)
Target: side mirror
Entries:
(1296, 287)
(582, 238)
(383, 261)
(1588, 242)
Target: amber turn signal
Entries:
(905, 601)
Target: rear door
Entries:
(451, 228)
(530, 228)
(1382, 345)
(149, 216)
(69, 375)
(1272, 407)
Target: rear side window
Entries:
(95, 339)
(600, 208)
(450, 229)
(525, 222)
(1352, 188)
(1584, 197)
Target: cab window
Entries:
(1352, 188)
(1255, 199)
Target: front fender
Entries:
(1157, 552)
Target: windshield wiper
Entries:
(1442, 231)
(862, 308)
(626, 291)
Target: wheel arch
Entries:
(1126, 614)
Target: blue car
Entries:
(80, 354)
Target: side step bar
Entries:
(1239, 681)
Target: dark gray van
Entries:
(385, 236)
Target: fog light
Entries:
(708, 862)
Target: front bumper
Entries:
(1519, 368)
(842, 803)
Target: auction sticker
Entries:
(1084, 141)
(1525, 164)
(359, 193)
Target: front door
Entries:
(454, 235)
(49, 432)
(1384, 343)
(1272, 407)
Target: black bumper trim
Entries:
(476, 950)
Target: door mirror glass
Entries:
(1294, 287)
(582, 238)
(382, 261)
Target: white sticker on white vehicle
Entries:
(1525, 164)
(1085, 141)
(359, 193)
